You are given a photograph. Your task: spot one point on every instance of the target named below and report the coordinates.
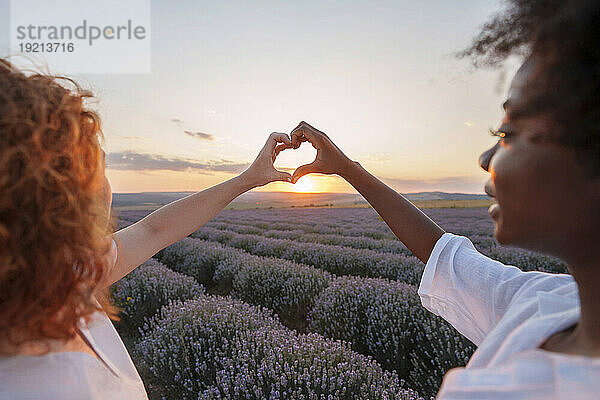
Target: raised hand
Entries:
(262, 170)
(329, 160)
(178, 219)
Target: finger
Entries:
(303, 170)
(277, 137)
(297, 131)
(306, 127)
(282, 176)
(279, 148)
(297, 139)
(311, 134)
(312, 128)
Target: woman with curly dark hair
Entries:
(57, 251)
(538, 334)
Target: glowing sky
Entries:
(377, 76)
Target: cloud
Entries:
(469, 123)
(132, 161)
(213, 113)
(464, 184)
(200, 135)
(132, 138)
(196, 134)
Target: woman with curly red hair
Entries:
(58, 255)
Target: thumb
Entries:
(282, 176)
(303, 170)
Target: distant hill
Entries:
(150, 200)
(146, 198)
(444, 196)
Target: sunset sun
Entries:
(306, 184)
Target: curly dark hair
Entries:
(53, 217)
(562, 38)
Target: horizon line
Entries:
(290, 192)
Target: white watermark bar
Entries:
(4, 27)
(68, 36)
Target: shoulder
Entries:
(67, 375)
(103, 336)
(64, 376)
(548, 288)
(533, 374)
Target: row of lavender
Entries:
(338, 260)
(346, 221)
(355, 221)
(362, 256)
(381, 318)
(363, 228)
(354, 227)
(206, 347)
(360, 222)
(301, 235)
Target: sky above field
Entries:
(379, 77)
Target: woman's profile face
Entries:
(544, 193)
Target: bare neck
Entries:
(584, 338)
(587, 332)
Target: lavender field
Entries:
(296, 304)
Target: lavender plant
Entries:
(373, 314)
(335, 259)
(196, 258)
(437, 347)
(219, 348)
(298, 235)
(386, 320)
(142, 292)
(288, 288)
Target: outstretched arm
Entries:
(415, 229)
(174, 221)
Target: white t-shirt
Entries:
(75, 375)
(508, 314)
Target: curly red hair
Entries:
(53, 217)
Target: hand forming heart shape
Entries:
(329, 158)
(288, 159)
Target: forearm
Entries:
(415, 229)
(178, 219)
(137, 242)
